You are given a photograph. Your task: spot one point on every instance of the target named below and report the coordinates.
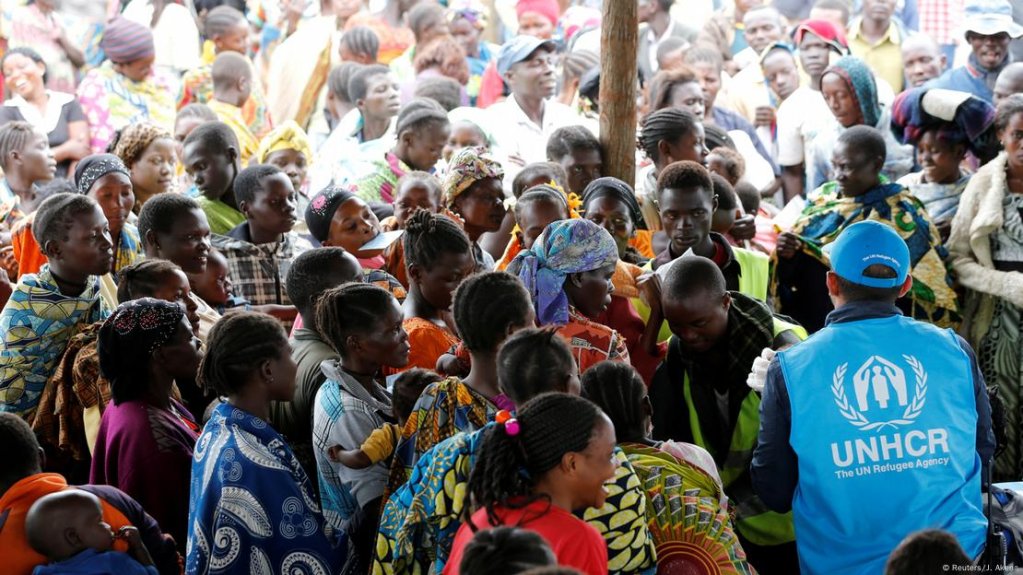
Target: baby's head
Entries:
(407, 389)
(63, 524)
(214, 284)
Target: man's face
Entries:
(922, 62)
(710, 81)
(813, 53)
(879, 9)
(990, 50)
(534, 76)
(699, 321)
(854, 170)
(762, 28)
(781, 74)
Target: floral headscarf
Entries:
(565, 247)
(860, 80)
(467, 167)
(287, 136)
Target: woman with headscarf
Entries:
(288, 148)
(146, 438)
(473, 192)
(104, 178)
(125, 89)
(942, 126)
(568, 274)
(850, 90)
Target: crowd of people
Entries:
(343, 286)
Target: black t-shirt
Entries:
(56, 127)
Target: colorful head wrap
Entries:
(615, 188)
(126, 41)
(92, 168)
(472, 11)
(321, 209)
(467, 167)
(549, 9)
(860, 80)
(135, 330)
(565, 247)
(286, 136)
(826, 31)
(957, 117)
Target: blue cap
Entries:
(518, 49)
(864, 244)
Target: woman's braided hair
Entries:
(14, 136)
(350, 309)
(509, 466)
(669, 125)
(237, 345)
(429, 236)
(534, 361)
(618, 390)
(132, 141)
(143, 278)
(486, 305)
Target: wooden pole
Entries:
(618, 38)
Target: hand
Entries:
(758, 375)
(744, 228)
(649, 285)
(765, 116)
(789, 245)
(129, 535)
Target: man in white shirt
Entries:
(523, 122)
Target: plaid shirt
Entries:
(940, 18)
(258, 271)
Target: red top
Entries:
(575, 543)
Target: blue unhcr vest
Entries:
(884, 424)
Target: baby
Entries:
(381, 443)
(214, 285)
(68, 528)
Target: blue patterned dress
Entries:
(251, 506)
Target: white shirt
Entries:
(516, 134)
(655, 42)
(800, 118)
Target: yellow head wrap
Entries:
(287, 136)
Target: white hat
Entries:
(990, 17)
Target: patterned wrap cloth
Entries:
(91, 168)
(251, 506)
(419, 521)
(467, 167)
(822, 221)
(565, 247)
(36, 324)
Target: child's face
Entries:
(582, 167)
(113, 192)
(291, 162)
(482, 206)
(463, 135)
(425, 145)
(613, 215)
(188, 242)
(596, 465)
(699, 321)
(234, 39)
(686, 216)
(37, 163)
(535, 217)
(437, 284)
(352, 226)
(213, 285)
(153, 172)
(718, 165)
(85, 250)
(212, 169)
(93, 532)
(412, 196)
(174, 288)
(940, 160)
(273, 207)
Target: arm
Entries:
(73, 52)
(774, 470)
(792, 181)
(377, 447)
(77, 145)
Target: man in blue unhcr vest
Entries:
(877, 425)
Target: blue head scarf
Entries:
(565, 247)
(860, 79)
